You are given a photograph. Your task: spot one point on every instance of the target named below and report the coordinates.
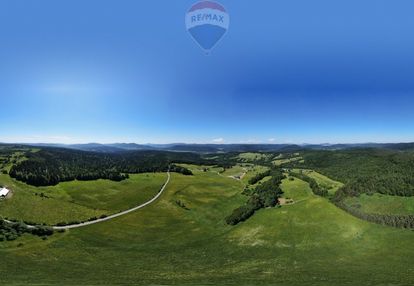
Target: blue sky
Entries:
(294, 71)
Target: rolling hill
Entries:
(183, 237)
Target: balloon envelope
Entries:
(207, 22)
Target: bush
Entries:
(264, 195)
(240, 214)
(259, 177)
(182, 205)
(42, 231)
(12, 230)
(316, 189)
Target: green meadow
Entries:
(77, 200)
(323, 181)
(252, 157)
(236, 170)
(382, 204)
(253, 170)
(311, 242)
(281, 161)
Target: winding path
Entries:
(111, 216)
(117, 214)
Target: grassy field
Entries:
(323, 181)
(382, 204)
(308, 243)
(15, 156)
(77, 201)
(253, 171)
(236, 170)
(249, 171)
(252, 157)
(279, 162)
(296, 190)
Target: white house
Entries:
(4, 192)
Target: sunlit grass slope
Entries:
(323, 181)
(308, 243)
(76, 200)
(382, 204)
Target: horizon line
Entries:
(211, 143)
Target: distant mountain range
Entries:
(215, 148)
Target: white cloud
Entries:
(250, 141)
(272, 140)
(218, 140)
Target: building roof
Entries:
(4, 192)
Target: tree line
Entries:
(353, 190)
(10, 231)
(254, 180)
(51, 166)
(400, 221)
(316, 189)
(262, 196)
(367, 171)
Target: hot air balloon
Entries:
(207, 22)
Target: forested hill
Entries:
(49, 166)
(367, 170)
(219, 148)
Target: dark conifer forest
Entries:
(364, 171)
(367, 170)
(51, 166)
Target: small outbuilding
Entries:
(4, 192)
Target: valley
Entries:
(183, 237)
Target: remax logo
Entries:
(207, 22)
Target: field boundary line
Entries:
(110, 217)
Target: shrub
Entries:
(264, 195)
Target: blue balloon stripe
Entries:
(207, 36)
